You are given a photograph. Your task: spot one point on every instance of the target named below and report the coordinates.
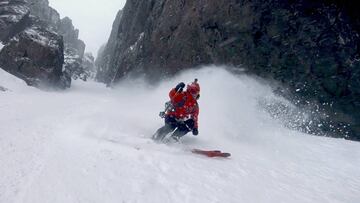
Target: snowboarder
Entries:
(181, 112)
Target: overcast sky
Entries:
(93, 18)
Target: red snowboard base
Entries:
(211, 153)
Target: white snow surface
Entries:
(12, 83)
(92, 144)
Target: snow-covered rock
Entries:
(1, 46)
(41, 9)
(71, 36)
(34, 55)
(14, 17)
(105, 71)
(35, 38)
(310, 46)
(73, 64)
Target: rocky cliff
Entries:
(41, 9)
(14, 18)
(35, 40)
(104, 71)
(89, 66)
(73, 47)
(36, 56)
(31, 51)
(311, 47)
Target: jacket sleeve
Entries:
(172, 94)
(195, 116)
(176, 97)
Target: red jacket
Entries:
(185, 106)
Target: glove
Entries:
(195, 131)
(180, 87)
(162, 114)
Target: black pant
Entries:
(181, 128)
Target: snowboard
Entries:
(211, 153)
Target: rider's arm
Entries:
(195, 116)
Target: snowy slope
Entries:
(12, 83)
(91, 144)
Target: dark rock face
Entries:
(63, 26)
(32, 51)
(13, 19)
(79, 67)
(312, 47)
(35, 40)
(36, 56)
(71, 36)
(47, 14)
(74, 47)
(104, 71)
(73, 63)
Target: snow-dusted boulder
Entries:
(33, 42)
(74, 47)
(36, 56)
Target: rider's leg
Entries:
(170, 125)
(183, 129)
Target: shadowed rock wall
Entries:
(311, 47)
